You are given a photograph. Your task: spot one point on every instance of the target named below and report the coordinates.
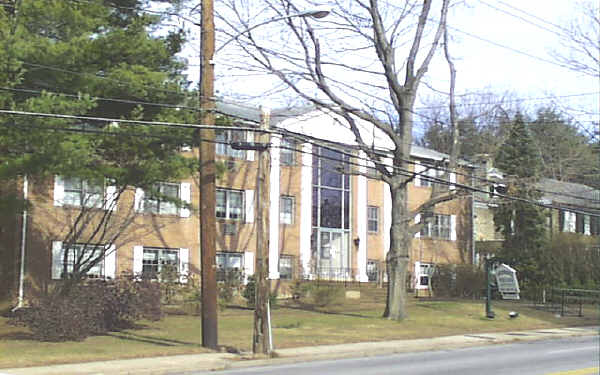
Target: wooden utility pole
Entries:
(261, 342)
(207, 173)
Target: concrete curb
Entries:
(182, 364)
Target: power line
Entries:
(533, 16)
(507, 47)
(399, 170)
(520, 18)
(78, 96)
(96, 75)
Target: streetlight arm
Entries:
(315, 13)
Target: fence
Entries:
(569, 301)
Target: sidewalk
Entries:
(220, 361)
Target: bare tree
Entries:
(581, 42)
(364, 63)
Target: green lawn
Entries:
(351, 321)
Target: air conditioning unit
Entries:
(229, 229)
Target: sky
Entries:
(506, 46)
(483, 63)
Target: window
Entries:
(81, 255)
(229, 265)
(286, 267)
(224, 139)
(373, 270)
(287, 153)
(162, 201)
(78, 192)
(427, 175)
(286, 209)
(373, 219)
(230, 204)
(164, 198)
(568, 221)
(438, 227)
(157, 261)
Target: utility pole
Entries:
(261, 342)
(207, 173)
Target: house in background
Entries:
(328, 219)
(579, 204)
(573, 207)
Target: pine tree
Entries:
(522, 223)
(91, 58)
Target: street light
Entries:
(207, 171)
(316, 13)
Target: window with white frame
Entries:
(82, 193)
(229, 204)
(427, 175)
(286, 209)
(224, 138)
(286, 267)
(373, 219)
(65, 258)
(440, 226)
(162, 200)
(229, 264)
(158, 261)
(288, 152)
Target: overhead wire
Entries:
(351, 156)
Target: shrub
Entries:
(74, 312)
(229, 288)
(249, 292)
(324, 295)
(300, 290)
(451, 280)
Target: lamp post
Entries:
(207, 169)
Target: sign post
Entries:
(505, 279)
(489, 313)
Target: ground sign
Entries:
(506, 279)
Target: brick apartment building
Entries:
(326, 221)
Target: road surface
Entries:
(570, 356)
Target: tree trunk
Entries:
(398, 256)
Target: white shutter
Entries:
(417, 220)
(248, 265)
(59, 191)
(419, 168)
(250, 138)
(452, 180)
(186, 198)
(184, 264)
(138, 203)
(110, 262)
(453, 227)
(57, 255)
(249, 202)
(138, 256)
(110, 198)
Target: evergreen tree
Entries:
(522, 223)
(92, 58)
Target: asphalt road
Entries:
(572, 356)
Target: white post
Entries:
(23, 243)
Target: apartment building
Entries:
(328, 218)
